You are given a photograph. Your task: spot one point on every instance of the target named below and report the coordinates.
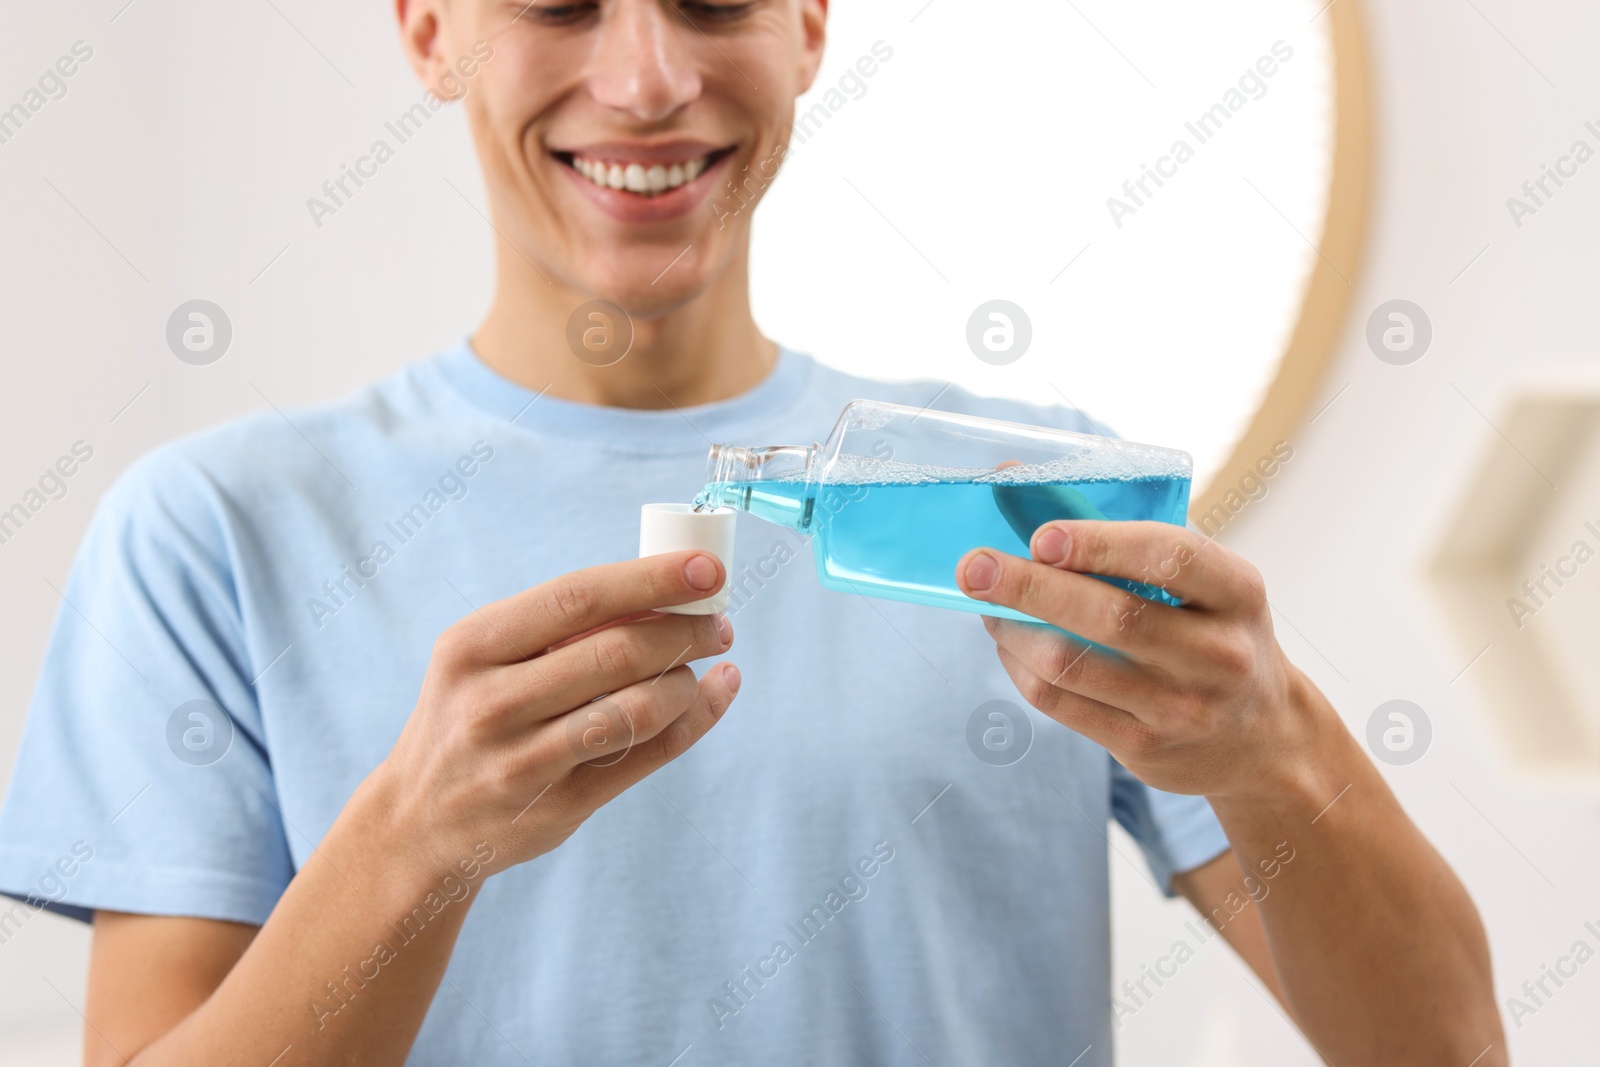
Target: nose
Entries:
(641, 63)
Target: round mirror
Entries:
(1149, 212)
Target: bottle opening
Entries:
(772, 483)
(724, 468)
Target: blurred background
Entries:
(1439, 402)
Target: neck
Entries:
(706, 350)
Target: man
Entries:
(361, 746)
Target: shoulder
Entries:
(835, 385)
(308, 454)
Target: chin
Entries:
(648, 290)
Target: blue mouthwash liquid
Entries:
(902, 541)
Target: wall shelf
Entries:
(1517, 571)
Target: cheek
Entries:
(768, 56)
(520, 88)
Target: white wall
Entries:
(195, 180)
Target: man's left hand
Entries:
(1200, 700)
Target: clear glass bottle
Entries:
(896, 495)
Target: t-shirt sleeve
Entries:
(1176, 833)
(143, 782)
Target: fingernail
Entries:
(982, 570)
(724, 628)
(701, 573)
(1051, 545)
(730, 675)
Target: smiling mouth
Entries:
(638, 177)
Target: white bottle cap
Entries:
(676, 527)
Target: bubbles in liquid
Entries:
(1110, 461)
(1105, 461)
(1098, 460)
(850, 469)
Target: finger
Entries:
(1196, 570)
(611, 659)
(1082, 605)
(521, 626)
(1111, 728)
(713, 695)
(1156, 642)
(635, 617)
(603, 731)
(1068, 662)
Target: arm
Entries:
(1369, 925)
(502, 759)
(182, 990)
(165, 966)
(1378, 951)
(1217, 891)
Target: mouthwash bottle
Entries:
(896, 496)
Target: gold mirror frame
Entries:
(1310, 350)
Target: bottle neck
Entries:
(775, 483)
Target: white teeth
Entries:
(649, 180)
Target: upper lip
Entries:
(666, 152)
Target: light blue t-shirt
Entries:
(833, 875)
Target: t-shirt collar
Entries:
(683, 429)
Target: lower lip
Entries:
(663, 207)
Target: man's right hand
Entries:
(507, 745)
(539, 708)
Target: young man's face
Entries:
(609, 131)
